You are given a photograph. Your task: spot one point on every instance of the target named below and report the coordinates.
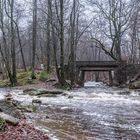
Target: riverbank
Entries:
(22, 131)
(83, 113)
(12, 94)
(14, 124)
(96, 112)
(23, 78)
(70, 116)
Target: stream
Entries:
(95, 112)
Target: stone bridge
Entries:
(108, 66)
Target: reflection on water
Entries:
(93, 113)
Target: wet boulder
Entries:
(70, 97)
(134, 85)
(9, 119)
(43, 92)
(30, 91)
(37, 101)
(9, 112)
(28, 108)
(8, 107)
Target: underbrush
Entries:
(2, 124)
(44, 75)
(24, 77)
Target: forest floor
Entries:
(24, 131)
(43, 79)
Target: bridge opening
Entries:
(92, 70)
(97, 76)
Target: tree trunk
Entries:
(14, 81)
(73, 59)
(21, 49)
(34, 35)
(48, 35)
(62, 78)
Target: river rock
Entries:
(43, 92)
(47, 117)
(135, 85)
(9, 119)
(51, 80)
(70, 97)
(28, 109)
(30, 91)
(36, 101)
(9, 108)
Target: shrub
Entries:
(2, 124)
(44, 76)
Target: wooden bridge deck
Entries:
(98, 65)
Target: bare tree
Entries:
(72, 42)
(4, 50)
(12, 73)
(116, 14)
(48, 34)
(34, 37)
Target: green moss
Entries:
(34, 108)
(24, 77)
(22, 74)
(52, 69)
(66, 86)
(4, 83)
(2, 124)
(44, 75)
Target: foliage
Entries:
(23, 77)
(2, 124)
(52, 69)
(66, 86)
(44, 75)
(4, 83)
(33, 76)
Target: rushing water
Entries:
(95, 112)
